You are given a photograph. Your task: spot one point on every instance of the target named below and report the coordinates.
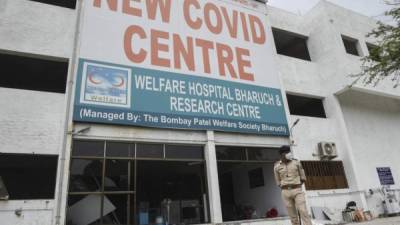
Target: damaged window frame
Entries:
(133, 159)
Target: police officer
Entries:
(289, 176)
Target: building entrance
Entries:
(136, 183)
(246, 182)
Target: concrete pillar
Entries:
(60, 216)
(349, 160)
(64, 159)
(212, 178)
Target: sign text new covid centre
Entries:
(187, 64)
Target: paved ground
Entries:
(384, 221)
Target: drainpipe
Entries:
(67, 135)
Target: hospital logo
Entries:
(106, 85)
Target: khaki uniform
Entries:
(289, 176)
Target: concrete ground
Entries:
(381, 221)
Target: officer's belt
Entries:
(289, 187)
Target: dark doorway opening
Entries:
(175, 190)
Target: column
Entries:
(212, 178)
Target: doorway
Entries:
(246, 183)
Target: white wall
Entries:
(32, 212)
(373, 123)
(36, 28)
(327, 74)
(315, 79)
(31, 121)
(261, 198)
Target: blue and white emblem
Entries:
(106, 85)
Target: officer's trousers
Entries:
(294, 200)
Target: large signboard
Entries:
(188, 64)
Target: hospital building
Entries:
(173, 111)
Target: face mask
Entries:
(289, 156)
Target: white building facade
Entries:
(233, 170)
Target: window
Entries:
(120, 149)
(231, 153)
(63, 3)
(305, 106)
(373, 51)
(290, 44)
(262, 154)
(150, 151)
(28, 177)
(323, 175)
(88, 148)
(256, 178)
(33, 74)
(371, 47)
(135, 183)
(183, 152)
(246, 182)
(351, 45)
